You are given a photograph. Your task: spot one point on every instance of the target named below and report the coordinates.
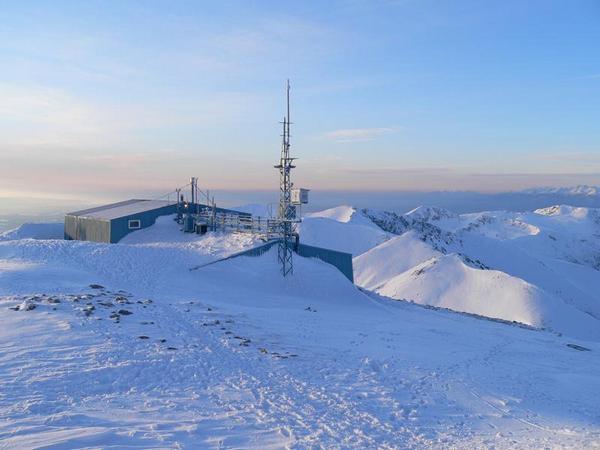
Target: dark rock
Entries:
(96, 286)
(578, 347)
(171, 348)
(124, 312)
(143, 337)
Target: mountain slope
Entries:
(397, 255)
(343, 228)
(555, 250)
(447, 282)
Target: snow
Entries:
(447, 282)
(343, 229)
(232, 355)
(34, 231)
(166, 233)
(381, 263)
(342, 213)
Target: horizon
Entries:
(15, 211)
(103, 100)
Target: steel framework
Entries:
(287, 212)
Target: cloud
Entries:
(357, 134)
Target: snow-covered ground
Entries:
(125, 346)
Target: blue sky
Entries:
(103, 98)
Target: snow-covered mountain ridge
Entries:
(547, 262)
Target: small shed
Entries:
(110, 223)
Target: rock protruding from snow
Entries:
(577, 213)
(430, 214)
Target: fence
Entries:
(240, 222)
(340, 260)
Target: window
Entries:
(135, 224)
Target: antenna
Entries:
(287, 212)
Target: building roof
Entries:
(121, 209)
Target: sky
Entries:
(104, 99)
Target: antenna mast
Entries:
(287, 212)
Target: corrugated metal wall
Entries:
(87, 229)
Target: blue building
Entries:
(110, 223)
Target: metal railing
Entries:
(243, 223)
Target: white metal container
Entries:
(299, 196)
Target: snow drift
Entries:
(34, 231)
(343, 228)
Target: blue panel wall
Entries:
(343, 261)
(119, 228)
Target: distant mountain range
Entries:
(585, 190)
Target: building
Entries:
(110, 223)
